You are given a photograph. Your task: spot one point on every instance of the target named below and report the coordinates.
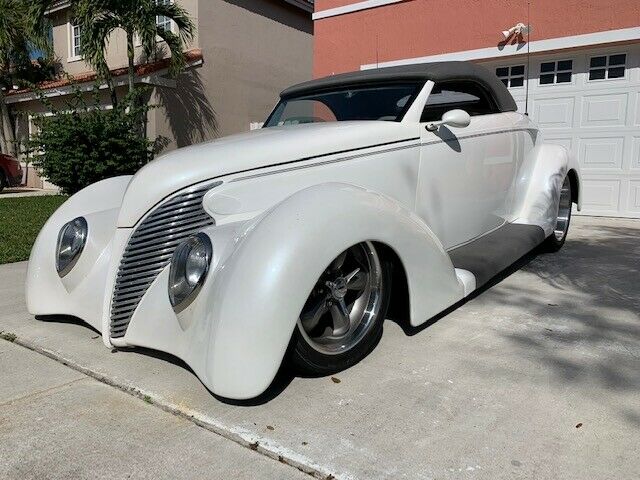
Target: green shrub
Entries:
(83, 144)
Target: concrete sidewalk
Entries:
(57, 423)
(537, 377)
(27, 192)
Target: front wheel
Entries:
(556, 240)
(341, 321)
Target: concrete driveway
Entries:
(537, 377)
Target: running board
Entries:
(488, 255)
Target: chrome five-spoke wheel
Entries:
(342, 317)
(555, 241)
(564, 211)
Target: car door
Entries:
(466, 174)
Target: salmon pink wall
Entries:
(415, 28)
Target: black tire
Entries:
(555, 241)
(3, 181)
(307, 360)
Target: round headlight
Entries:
(189, 268)
(71, 241)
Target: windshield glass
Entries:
(385, 102)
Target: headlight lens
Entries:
(189, 268)
(71, 241)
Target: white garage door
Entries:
(589, 101)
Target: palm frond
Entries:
(38, 25)
(177, 62)
(95, 36)
(179, 16)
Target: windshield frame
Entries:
(418, 86)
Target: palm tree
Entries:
(23, 28)
(98, 19)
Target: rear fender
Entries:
(539, 185)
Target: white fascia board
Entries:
(538, 46)
(57, 7)
(354, 7)
(49, 93)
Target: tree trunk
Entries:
(131, 57)
(3, 142)
(112, 91)
(105, 74)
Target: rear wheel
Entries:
(556, 240)
(341, 321)
(3, 180)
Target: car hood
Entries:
(249, 151)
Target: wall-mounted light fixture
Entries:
(519, 29)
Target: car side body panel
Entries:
(467, 175)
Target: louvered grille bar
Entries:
(150, 249)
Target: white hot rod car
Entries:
(278, 245)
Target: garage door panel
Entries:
(637, 120)
(601, 196)
(607, 110)
(635, 156)
(600, 153)
(553, 113)
(566, 142)
(633, 206)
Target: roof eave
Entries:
(58, 6)
(151, 77)
(305, 5)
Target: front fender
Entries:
(260, 289)
(75, 294)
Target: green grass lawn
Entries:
(20, 221)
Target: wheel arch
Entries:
(574, 178)
(400, 301)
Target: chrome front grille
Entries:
(150, 249)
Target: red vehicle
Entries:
(10, 171)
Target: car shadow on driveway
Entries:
(283, 378)
(66, 319)
(574, 314)
(400, 314)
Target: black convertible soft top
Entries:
(436, 72)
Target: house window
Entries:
(75, 32)
(512, 77)
(607, 66)
(556, 72)
(162, 22)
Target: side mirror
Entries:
(454, 118)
